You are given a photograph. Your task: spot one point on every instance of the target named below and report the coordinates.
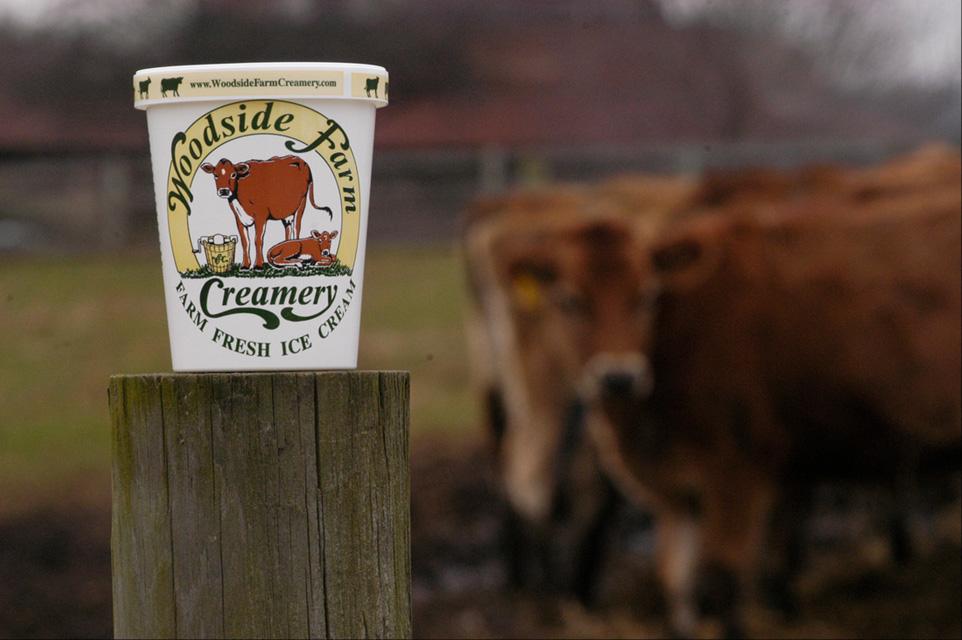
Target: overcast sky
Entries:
(883, 41)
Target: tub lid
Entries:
(194, 83)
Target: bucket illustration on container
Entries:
(218, 251)
(262, 184)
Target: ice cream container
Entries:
(262, 183)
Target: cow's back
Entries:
(274, 188)
(865, 301)
(839, 321)
(933, 166)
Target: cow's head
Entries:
(226, 174)
(582, 303)
(324, 239)
(586, 297)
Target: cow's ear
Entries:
(316, 234)
(333, 234)
(242, 169)
(207, 167)
(686, 261)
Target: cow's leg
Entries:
(251, 236)
(901, 505)
(736, 513)
(582, 508)
(514, 535)
(677, 550)
(242, 232)
(299, 215)
(592, 547)
(287, 226)
(787, 550)
(527, 463)
(283, 257)
(259, 231)
(515, 548)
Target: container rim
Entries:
(257, 80)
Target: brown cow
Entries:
(261, 190)
(519, 331)
(791, 344)
(526, 418)
(532, 257)
(304, 251)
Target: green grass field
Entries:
(68, 325)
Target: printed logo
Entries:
(263, 243)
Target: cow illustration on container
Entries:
(371, 85)
(304, 251)
(258, 191)
(170, 84)
(143, 88)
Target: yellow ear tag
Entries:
(527, 291)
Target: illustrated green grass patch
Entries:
(270, 271)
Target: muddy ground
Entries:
(55, 573)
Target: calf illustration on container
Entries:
(304, 251)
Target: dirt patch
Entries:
(55, 573)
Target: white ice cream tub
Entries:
(262, 182)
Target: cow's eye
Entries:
(233, 174)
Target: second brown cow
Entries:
(792, 344)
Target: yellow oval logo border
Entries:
(316, 131)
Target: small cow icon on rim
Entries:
(170, 84)
(143, 87)
(371, 85)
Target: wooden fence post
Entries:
(261, 505)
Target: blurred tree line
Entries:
(82, 53)
(88, 63)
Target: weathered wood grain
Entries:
(140, 538)
(268, 505)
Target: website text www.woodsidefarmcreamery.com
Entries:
(240, 83)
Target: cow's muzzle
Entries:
(223, 193)
(616, 376)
